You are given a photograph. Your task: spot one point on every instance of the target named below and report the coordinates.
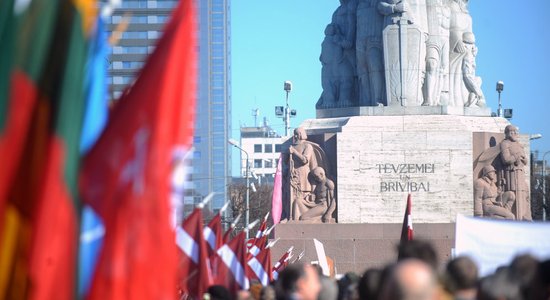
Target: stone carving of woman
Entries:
(461, 22)
(321, 203)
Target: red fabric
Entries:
(216, 226)
(407, 229)
(227, 235)
(264, 257)
(23, 95)
(194, 274)
(126, 175)
(234, 273)
(54, 245)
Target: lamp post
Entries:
(288, 88)
(500, 88)
(544, 206)
(247, 200)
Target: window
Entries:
(278, 148)
(269, 163)
(268, 148)
(257, 148)
(257, 163)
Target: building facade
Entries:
(141, 23)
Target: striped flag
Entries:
(194, 269)
(407, 229)
(260, 265)
(232, 259)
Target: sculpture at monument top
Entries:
(436, 84)
(471, 81)
(321, 203)
(370, 59)
(489, 200)
(400, 53)
(514, 163)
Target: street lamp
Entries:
(544, 206)
(246, 207)
(500, 88)
(288, 88)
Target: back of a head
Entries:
(347, 286)
(461, 273)
(499, 286)
(219, 292)
(418, 249)
(410, 279)
(369, 284)
(329, 289)
(286, 283)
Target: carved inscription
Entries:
(405, 177)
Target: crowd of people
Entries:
(416, 275)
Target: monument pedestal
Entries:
(379, 159)
(356, 247)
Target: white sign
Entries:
(492, 243)
(320, 249)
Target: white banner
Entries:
(492, 243)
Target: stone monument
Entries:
(402, 111)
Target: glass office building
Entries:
(210, 160)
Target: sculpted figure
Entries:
(370, 60)
(489, 201)
(436, 83)
(344, 18)
(392, 10)
(471, 81)
(461, 22)
(336, 69)
(320, 204)
(300, 161)
(514, 161)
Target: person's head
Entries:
(299, 280)
(369, 284)
(319, 174)
(468, 38)
(299, 134)
(460, 274)
(418, 249)
(267, 293)
(489, 172)
(410, 279)
(329, 289)
(525, 268)
(347, 286)
(511, 133)
(499, 286)
(219, 292)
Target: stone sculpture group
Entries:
(400, 53)
(308, 195)
(501, 191)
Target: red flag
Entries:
(213, 234)
(260, 265)
(282, 263)
(194, 268)
(232, 259)
(126, 175)
(407, 230)
(277, 199)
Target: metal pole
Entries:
(287, 116)
(499, 106)
(246, 207)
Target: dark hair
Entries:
(286, 283)
(369, 284)
(219, 292)
(419, 249)
(460, 274)
(500, 285)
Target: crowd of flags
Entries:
(87, 192)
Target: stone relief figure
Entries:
(344, 18)
(461, 22)
(321, 203)
(299, 160)
(489, 200)
(471, 81)
(370, 60)
(436, 85)
(336, 72)
(514, 161)
(509, 160)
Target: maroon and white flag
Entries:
(407, 230)
(231, 260)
